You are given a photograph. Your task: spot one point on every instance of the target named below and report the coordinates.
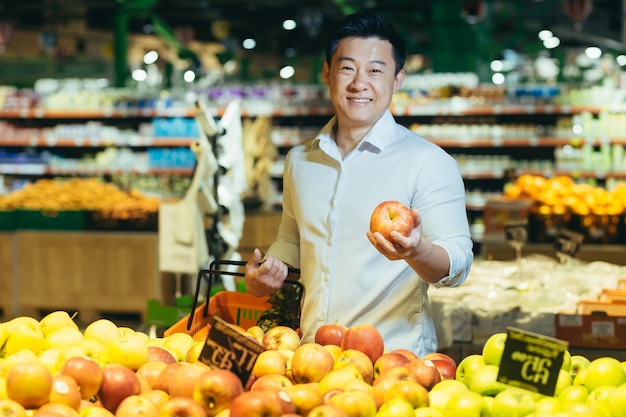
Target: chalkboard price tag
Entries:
(531, 361)
(226, 348)
(568, 242)
(516, 231)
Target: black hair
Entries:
(366, 24)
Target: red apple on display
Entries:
(10, 408)
(29, 383)
(327, 410)
(305, 397)
(389, 216)
(310, 362)
(216, 389)
(493, 348)
(281, 337)
(446, 369)
(440, 356)
(157, 353)
(66, 391)
(150, 371)
(409, 354)
(271, 382)
(181, 407)
(389, 360)
(425, 372)
(366, 338)
(86, 372)
(118, 382)
(137, 405)
(184, 379)
(256, 404)
(330, 334)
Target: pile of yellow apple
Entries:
(50, 368)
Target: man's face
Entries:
(362, 80)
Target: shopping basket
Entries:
(233, 307)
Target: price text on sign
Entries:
(226, 348)
(516, 231)
(568, 242)
(531, 361)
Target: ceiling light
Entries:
(496, 65)
(287, 72)
(593, 52)
(551, 43)
(150, 57)
(621, 60)
(545, 34)
(248, 43)
(289, 24)
(189, 76)
(498, 78)
(139, 75)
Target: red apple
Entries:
(55, 410)
(305, 396)
(409, 354)
(397, 373)
(184, 379)
(181, 407)
(330, 334)
(118, 382)
(163, 381)
(389, 216)
(150, 370)
(446, 369)
(425, 372)
(389, 360)
(158, 353)
(310, 362)
(366, 338)
(10, 408)
(271, 382)
(86, 372)
(281, 337)
(215, 390)
(256, 404)
(66, 391)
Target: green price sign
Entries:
(531, 361)
(226, 348)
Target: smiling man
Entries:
(333, 182)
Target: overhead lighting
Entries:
(289, 24)
(621, 60)
(545, 34)
(551, 43)
(593, 52)
(496, 65)
(287, 72)
(150, 57)
(498, 78)
(189, 76)
(248, 43)
(139, 75)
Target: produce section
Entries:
(51, 366)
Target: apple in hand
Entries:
(389, 216)
(330, 334)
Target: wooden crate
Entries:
(90, 273)
(7, 277)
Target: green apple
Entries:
(563, 380)
(584, 409)
(427, 412)
(513, 402)
(578, 363)
(493, 348)
(451, 386)
(484, 381)
(396, 407)
(467, 366)
(617, 402)
(567, 360)
(548, 405)
(601, 395)
(604, 371)
(573, 394)
(467, 404)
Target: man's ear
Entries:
(326, 73)
(397, 82)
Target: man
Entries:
(333, 182)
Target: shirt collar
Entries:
(379, 136)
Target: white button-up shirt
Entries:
(327, 204)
